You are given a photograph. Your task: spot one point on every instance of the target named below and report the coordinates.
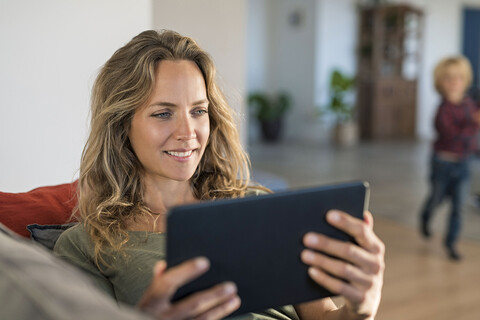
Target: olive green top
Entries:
(127, 278)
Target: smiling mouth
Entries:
(185, 154)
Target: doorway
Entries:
(471, 46)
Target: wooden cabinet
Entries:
(388, 56)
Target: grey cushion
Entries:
(47, 235)
(34, 284)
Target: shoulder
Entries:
(73, 240)
(77, 232)
(446, 109)
(472, 104)
(445, 104)
(76, 247)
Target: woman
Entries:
(163, 135)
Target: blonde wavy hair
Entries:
(110, 188)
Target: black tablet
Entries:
(256, 241)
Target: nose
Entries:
(185, 128)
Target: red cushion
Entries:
(44, 205)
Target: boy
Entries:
(457, 123)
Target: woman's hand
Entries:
(359, 277)
(214, 303)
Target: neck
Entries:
(161, 194)
(456, 99)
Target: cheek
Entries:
(159, 134)
(462, 83)
(147, 137)
(204, 131)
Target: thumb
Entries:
(159, 268)
(368, 218)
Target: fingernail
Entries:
(158, 267)
(307, 255)
(230, 288)
(313, 272)
(235, 302)
(333, 216)
(311, 239)
(202, 263)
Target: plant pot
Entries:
(345, 134)
(271, 129)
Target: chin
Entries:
(182, 177)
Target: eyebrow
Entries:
(170, 104)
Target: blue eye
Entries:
(162, 115)
(200, 112)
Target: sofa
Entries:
(34, 284)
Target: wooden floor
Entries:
(420, 283)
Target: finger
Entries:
(343, 250)
(368, 218)
(340, 269)
(148, 297)
(166, 283)
(159, 268)
(184, 273)
(221, 311)
(202, 301)
(358, 229)
(336, 286)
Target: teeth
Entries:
(180, 154)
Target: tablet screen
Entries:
(256, 241)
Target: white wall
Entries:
(50, 53)
(281, 56)
(259, 44)
(335, 48)
(336, 34)
(293, 58)
(259, 49)
(219, 27)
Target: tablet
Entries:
(256, 241)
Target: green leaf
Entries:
(340, 86)
(269, 108)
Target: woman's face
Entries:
(170, 133)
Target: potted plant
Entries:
(270, 111)
(345, 131)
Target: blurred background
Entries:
(325, 91)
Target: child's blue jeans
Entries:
(448, 179)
